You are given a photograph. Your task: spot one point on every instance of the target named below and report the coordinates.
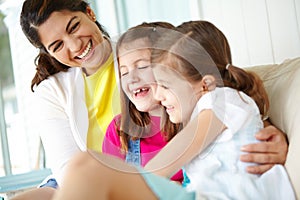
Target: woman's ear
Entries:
(209, 82)
(90, 13)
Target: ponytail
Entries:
(249, 83)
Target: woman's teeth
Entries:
(86, 51)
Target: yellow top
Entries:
(103, 102)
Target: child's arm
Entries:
(188, 143)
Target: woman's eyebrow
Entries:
(69, 23)
(67, 28)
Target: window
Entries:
(22, 162)
(7, 97)
(117, 16)
(21, 154)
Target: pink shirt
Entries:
(149, 146)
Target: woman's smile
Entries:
(86, 50)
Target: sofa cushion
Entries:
(282, 82)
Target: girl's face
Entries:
(176, 94)
(137, 77)
(72, 37)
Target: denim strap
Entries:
(134, 155)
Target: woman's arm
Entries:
(53, 125)
(272, 150)
(187, 144)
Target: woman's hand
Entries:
(272, 150)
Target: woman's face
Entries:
(137, 77)
(175, 93)
(72, 37)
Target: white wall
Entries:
(259, 31)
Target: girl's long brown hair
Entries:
(134, 124)
(199, 46)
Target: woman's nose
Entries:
(74, 44)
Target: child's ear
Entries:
(209, 82)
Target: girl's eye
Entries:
(124, 73)
(74, 27)
(143, 67)
(59, 44)
(163, 86)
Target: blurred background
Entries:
(259, 32)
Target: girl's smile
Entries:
(141, 92)
(175, 93)
(137, 77)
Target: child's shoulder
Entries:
(117, 118)
(114, 122)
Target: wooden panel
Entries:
(257, 32)
(284, 29)
(297, 10)
(228, 17)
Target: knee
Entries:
(37, 193)
(80, 161)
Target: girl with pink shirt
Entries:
(138, 136)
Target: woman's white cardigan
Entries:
(61, 117)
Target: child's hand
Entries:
(272, 150)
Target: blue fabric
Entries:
(164, 189)
(186, 179)
(133, 155)
(50, 183)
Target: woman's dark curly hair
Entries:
(33, 14)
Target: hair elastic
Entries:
(227, 66)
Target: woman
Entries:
(75, 60)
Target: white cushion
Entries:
(282, 83)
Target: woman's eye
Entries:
(59, 44)
(74, 27)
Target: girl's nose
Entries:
(158, 95)
(133, 76)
